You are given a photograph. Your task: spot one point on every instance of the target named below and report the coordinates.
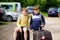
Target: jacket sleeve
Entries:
(43, 20)
(18, 22)
(30, 15)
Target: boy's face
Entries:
(24, 12)
(36, 11)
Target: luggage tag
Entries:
(43, 38)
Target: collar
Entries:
(36, 14)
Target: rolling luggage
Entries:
(42, 35)
(20, 36)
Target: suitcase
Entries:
(42, 35)
(20, 36)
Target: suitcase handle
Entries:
(41, 28)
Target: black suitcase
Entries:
(42, 35)
(20, 36)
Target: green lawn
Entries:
(3, 22)
(45, 14)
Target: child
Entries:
(22, 23)
(37, 20)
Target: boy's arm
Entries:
(43, 20)
(18, 22)
(30, 15)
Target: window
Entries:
(7, 6)
(16, 5)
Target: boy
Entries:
(37, 20)
(22, 23)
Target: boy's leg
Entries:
(31, 34)
(25, 33)
(15, 32)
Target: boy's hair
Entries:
(35, 7)
(24, 9)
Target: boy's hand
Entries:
(42, 25)
(31, 30)
(20, 29)
(28, 26)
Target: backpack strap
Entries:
(41, 18)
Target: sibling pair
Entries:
(37, 20)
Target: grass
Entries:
(45, 14)
(3, 22)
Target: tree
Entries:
(43, 4)
(58, 3)
(30, 2)
(51, 3)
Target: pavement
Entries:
(52, 25)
